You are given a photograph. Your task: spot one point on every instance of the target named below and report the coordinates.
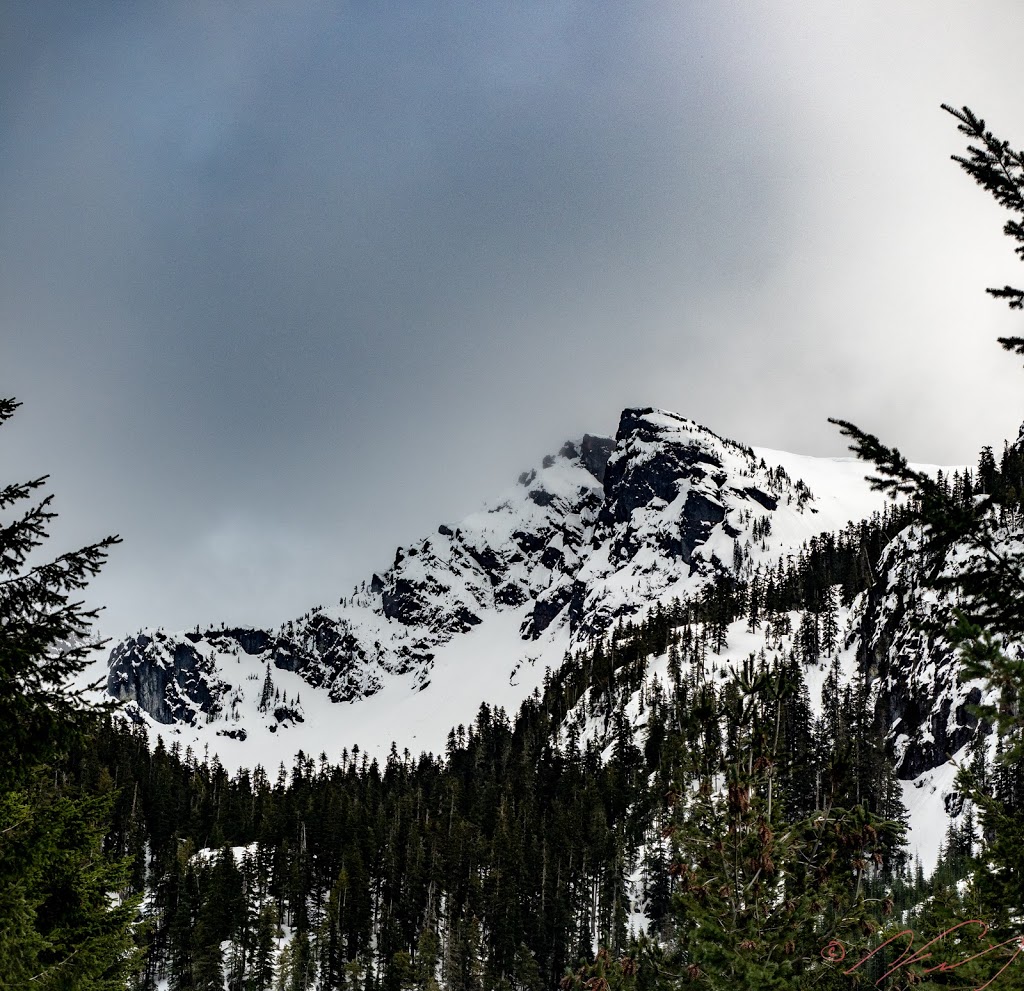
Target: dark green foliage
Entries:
(997, 168)
(63, 921)
(506, 862)
(971, 550)
(43, 630)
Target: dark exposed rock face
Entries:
(251, 641)
(633, 482)
(510, 594)
(578, 619)
(761, 498)
(175, 688)
(920, 694)
(327, 655)
(700, 514)
(594, 453)
(549, 605)
(405, 602)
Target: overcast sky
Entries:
(286, 284)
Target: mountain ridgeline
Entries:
(598, 532)
(537, 731)
(602, 532)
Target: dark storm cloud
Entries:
(286, 286)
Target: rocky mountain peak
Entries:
(600, 531)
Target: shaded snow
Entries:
(924, 798)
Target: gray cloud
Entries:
(284, 287)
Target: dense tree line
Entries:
(529, 845)
(500, 856)
(530, 842)
(503, 862)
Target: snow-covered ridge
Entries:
(477, 610)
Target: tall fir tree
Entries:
(973, 552)
(65, 923)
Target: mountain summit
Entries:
(601, 532)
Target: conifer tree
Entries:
(760, 892)
(973, 556)
(64, 922)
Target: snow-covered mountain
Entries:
(478, 610)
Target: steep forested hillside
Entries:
(658, 779)
(716, 782)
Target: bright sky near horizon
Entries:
(283, 286)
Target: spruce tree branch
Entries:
(1015, 297)
(993, 167)
(17, 491)
(7, 408)
(78, 566)
(59, 965)
(16, 825)
(1014, 344)
(989, 168)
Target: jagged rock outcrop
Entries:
(677, 497)
(436, 589)
(170, 679)
(920, 693)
